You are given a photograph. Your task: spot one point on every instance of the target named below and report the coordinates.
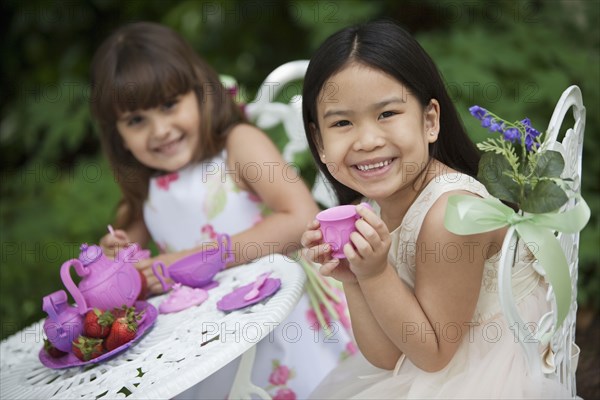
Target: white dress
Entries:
(489, 362)
(193, 205)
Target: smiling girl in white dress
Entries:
(190, 167)
(423, 301)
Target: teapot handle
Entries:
(52, 302)
(225, 248)
(165, 272)
(65, 275)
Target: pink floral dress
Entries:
(188, 207)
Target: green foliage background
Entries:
(513, 57)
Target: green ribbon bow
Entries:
(467, 215)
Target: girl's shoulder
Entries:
(429, 206)
(246, 143)
(436, 201)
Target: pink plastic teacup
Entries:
(197, 270)
(337, 223)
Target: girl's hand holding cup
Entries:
(369, 245)
(328, 240)
(319, 252)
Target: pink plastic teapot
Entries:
(105, 284)
(64, 323)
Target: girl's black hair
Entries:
(385, 46)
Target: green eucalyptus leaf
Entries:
(550, 164)
(492, 173)
(547, 196)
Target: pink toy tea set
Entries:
(109, 284)
(105, 284)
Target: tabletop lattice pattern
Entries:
(180, 350)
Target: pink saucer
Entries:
(182, 297)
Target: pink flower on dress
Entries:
(351, 348)
(209, 230)
(342, 309)
(280, 376)
(254, 198)
(164, 181)
(257, 220)
(311, 316)
(285, 394)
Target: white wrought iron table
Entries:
(179, 351)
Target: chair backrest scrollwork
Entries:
(266, 113)
(558, 357)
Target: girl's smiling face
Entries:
(165, 137)
(373, 133)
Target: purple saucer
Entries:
(235, 300)
(210, 285)
(69, 360)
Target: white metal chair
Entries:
(559, 360)
(267, 113)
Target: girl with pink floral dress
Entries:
(190, 167)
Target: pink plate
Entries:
(235, 300)
(182, 297)
(69, 360)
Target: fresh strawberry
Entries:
(123, 330)
(86, 348)
(51, 350)
(97, 323)
(122, 311)
(144, 291)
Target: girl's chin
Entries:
(174, 164)
(377, 194)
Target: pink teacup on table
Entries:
(337, 223)
(197, 270)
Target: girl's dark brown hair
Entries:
(385, 46)
(144, 65)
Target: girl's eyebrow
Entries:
(388, 101)
(124, 116)
(334, 112)
(375, 106)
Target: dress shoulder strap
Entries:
(431, 193)
(404, 238)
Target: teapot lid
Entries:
(89, 254)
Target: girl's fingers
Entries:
(362, 247)
(155, 288)
(313, 225)
(370, 219)
(121, 235)
(151, 279)
(349, 252)
(367, 231)
(327, 268)
(320, 253)
(311, 236)
(113, 242)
